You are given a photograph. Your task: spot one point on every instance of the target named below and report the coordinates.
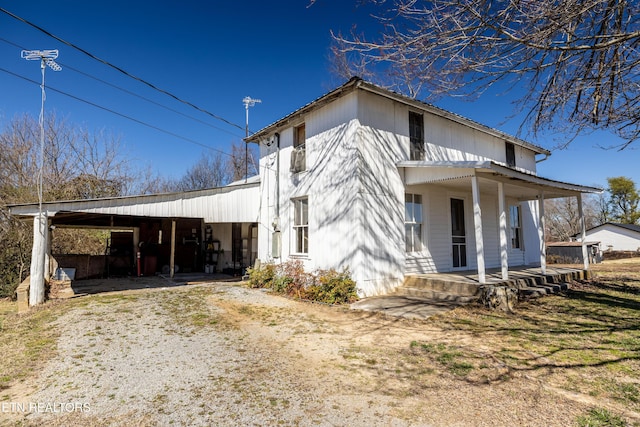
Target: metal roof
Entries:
(519, 184)
(238, 203)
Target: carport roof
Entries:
(235, 203)
(518, 184)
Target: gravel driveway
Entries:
(220, 354)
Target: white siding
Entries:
(618, 238)
(450, 141)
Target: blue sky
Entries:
(213, 54)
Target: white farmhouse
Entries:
(361, 178)
(387, 186)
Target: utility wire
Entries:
(175, 135)
(115, 67)
(128, 92)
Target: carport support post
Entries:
(172, 258)
(477, 222)
(583, 232)
(504, 254)
(541, 234)
(38, 257)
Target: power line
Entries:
(128, 92)
(175, 135)
(115, 67)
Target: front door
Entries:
(458, 234)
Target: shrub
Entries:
(327, 286)
(262, 277)
(333, 287)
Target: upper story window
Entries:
(299, 155)
(416, 136)
(510, 150)
(301, 224)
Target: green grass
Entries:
(599, 417)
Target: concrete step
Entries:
(434, 295)
(441, 285)
(542, 290)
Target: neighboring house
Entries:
(361, 178)
(615, 237)
(388, 186)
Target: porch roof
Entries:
(517, 184)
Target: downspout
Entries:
(276, 220)
(276, 240)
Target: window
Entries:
(299, 155)
(511, 154)
(301, 224)
(516, 228)
(416, 136)
(413, 222)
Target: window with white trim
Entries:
(301, 224)
(516, 227)
(413, 222)
(299, 153)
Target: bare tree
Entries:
(77, 164)
(577, 61)
(209, 172)
(562, 220)
(241, 160)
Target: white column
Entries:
(502, 223)
(583, 232)
(47, 256)
(477, 222)
(38, 257)
(172, 258)
(541, 234)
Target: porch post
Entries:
(477, 222)
(172, 258)
(502, 224)
(38, 258)
(541, 234)
(583, 232)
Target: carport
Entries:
(196, 231)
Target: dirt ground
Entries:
(224, 354)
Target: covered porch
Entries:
(489, 241)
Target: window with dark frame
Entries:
(301, 224)
(511, 154)
(416, 136)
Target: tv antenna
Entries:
(248, 102)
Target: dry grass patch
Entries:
(587, 341)
(27, 340)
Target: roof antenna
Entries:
(248, 102)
